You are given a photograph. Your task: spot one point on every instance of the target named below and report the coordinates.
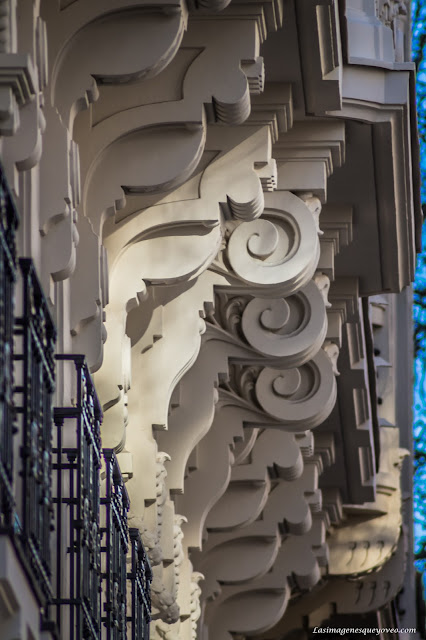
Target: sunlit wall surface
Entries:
(419, 56)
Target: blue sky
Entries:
(419, 56)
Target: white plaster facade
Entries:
(222, 201)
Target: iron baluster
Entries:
(115, 547)
(34, 354)
(8, 226)
(140, 578)
(77, 505)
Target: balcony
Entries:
(93, 539)
(115, 535)
(34, 373)
(70, 568)
(8, 275)
(77, 463)
(27, 337)
(140, 577)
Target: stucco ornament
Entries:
(292, 328)
(282, 248)
(280, 392)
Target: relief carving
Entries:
(164, 528)
(282, 248)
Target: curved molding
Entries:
(375, 590)
(250, 609)
(292, 328)
(144, 134)
(277, 452)
(299, 398)
(147, 258)
(78, 66)
(210, 468)
(285, 508)
(209, 480)
(255, 606)
(144, 158)
(208, 474)
(175, 313)
(166, 139)
(219, 348)
(229, 174)
(194, 418)
(59, 200)
(154, 228)
(339, 595)
(280, 249)
(366, 594)
(213, 5)
(23, 151)
(226, 562)
(364, 545)
(223, 75)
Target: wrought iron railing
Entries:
(47, 485)
(77, 499)
(140, 577)
(34, 373)
(115, 506)
(8, 226)
(93, 601)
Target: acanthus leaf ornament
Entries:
(196, 578)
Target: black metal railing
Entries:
(34, 373)
(115, 506)
(77, 465)
(8, 226)
(93, 601)
(140, 576)
(51, 479)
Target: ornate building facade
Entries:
(210, 216)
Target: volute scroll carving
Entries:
(291, 328)
(301, 398)
(282, 248)
(293, 399)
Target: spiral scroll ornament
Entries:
(281, 248)
(300, 398)
(292, 328)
